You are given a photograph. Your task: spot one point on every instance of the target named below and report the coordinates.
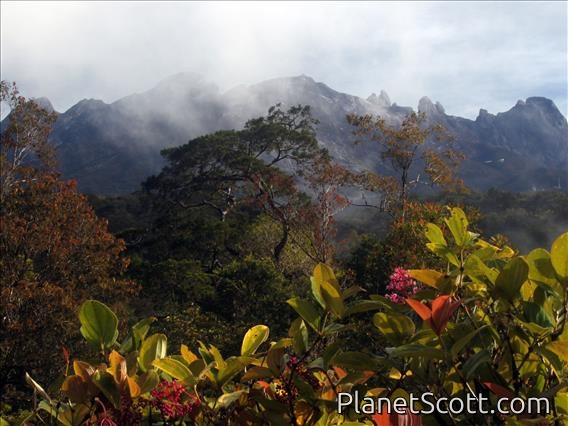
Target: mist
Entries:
(465, 55)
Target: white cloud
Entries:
(466, 55)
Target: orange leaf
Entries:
(420, 308)
(442, 309)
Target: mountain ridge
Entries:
(111, 148)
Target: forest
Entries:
(244, 285)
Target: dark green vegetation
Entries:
(230, 230)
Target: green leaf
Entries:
(254, 337)
(427, 276)
(173, 368)
(255, 373)
(307, 311)
(560, 348)
(232, 367)
(137, 333)
(99, 325)
(457, 223)
(413, 350)
(475, 361)
(333, 299)
(511, 278)
(435, 234)
(396, 328)
(154, 347)
(464, 341)
(443, 251)
(559, 256)
(228, 398)
(148, 381)
(357, 361)
(541, 270)
(105, 382)
(299, 334)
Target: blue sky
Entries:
(466, 55)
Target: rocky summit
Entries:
(111, 148)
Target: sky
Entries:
(466, 55)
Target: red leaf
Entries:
(442, 309)
(420, 308)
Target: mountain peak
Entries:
(381, 100)
(426, 106)
(44, 103)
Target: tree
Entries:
(250, 168)
(24, 147)
(55, 251)
(406, 147)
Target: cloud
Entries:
(465, 55)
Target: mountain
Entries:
(111, 148)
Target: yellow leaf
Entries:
(427, 276)
(187, 355)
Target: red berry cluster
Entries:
(173, 400)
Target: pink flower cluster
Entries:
(401, 286)
(173, 400)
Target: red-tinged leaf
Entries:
(442, 309)
(499, 390)
(65, 354)
(420, 308)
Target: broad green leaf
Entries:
(137, 333)
(475, 361)
(307, 311)
(154, 347)
(464, 341)
(536, 314)
(541, 270)
(75, 389)
(187, 355)
(228, 398)
(254, 337)
(148, 381)
(435, 234)
(560, 348)
(396, 328)
(427, 276)
(173, 368)
(99, 324)
(231, 368)
(105, 382)
(443, 251)
(358, 361)
(476, 268)
(333, 299)
(255, 373)
(511, 278)
(457, 223)
(413, 350)
(324, 274)
(559, 256)
(299, 334)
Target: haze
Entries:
(465, 55)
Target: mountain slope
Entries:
(111, 148)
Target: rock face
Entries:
(111, 148)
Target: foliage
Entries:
(409, 150)
(492, 324)
(55, 252)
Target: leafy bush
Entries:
(491, 324)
